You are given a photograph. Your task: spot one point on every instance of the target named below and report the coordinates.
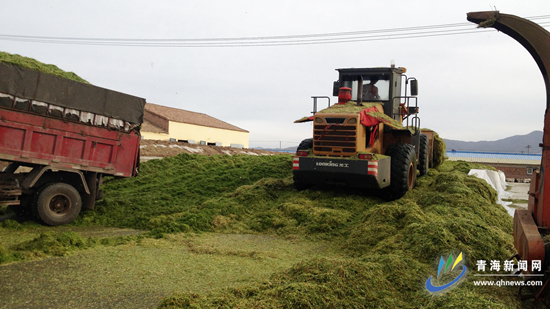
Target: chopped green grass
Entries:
(32, 243)
(170, 194)
(140, 274)
(386, 119)
(391, 246)
(33, 64)
(349, 107)
(439, 150)
(387, 249)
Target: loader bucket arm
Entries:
(532, 36)
(536, 40)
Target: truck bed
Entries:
(37, 139)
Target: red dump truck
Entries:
(60, 137)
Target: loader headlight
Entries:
(352, 121)
(318, 120)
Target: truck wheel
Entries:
(25, 209)
(58, 204)
(304, 145)
(423, 155)
(403, 170)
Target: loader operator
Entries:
(370, 91)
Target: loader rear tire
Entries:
(301, 186)
(304, 145)
(403, 170)
(423, 155)
(58, 204)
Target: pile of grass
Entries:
(170, 195)
(386, 119)
(51, 243)
(56, 244)
(389, 281)
(8, 256)
(389, 248)
(392, 247)
(349, 107)
(439, 150)
(34, 64)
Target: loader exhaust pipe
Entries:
(360, 90)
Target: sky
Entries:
(480, 85)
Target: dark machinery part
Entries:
(528, 223)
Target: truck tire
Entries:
(25, 209)
(58, 204)
(403, 170)
(423, 155)
(304, 145)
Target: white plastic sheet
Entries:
(497, 180)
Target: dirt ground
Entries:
(154, 148)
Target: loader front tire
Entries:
(58, 204)
(403, 171)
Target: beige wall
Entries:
(155, 136)
(184, 131)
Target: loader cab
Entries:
(376, 87)
(379, 85)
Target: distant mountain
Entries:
(513, 144)
(287, 149)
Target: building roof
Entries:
(495, 158)
(147, 126)
(184, 116)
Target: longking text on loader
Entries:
(370, 139)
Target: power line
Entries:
(303, 39)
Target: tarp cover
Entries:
(497, 180)
(366, 119)
(43, 87)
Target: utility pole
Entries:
(528, 146)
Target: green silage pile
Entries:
(439, 150)
(391, 248)
(51, 243)
(388, 249)
(178, 194)
(33, 64)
